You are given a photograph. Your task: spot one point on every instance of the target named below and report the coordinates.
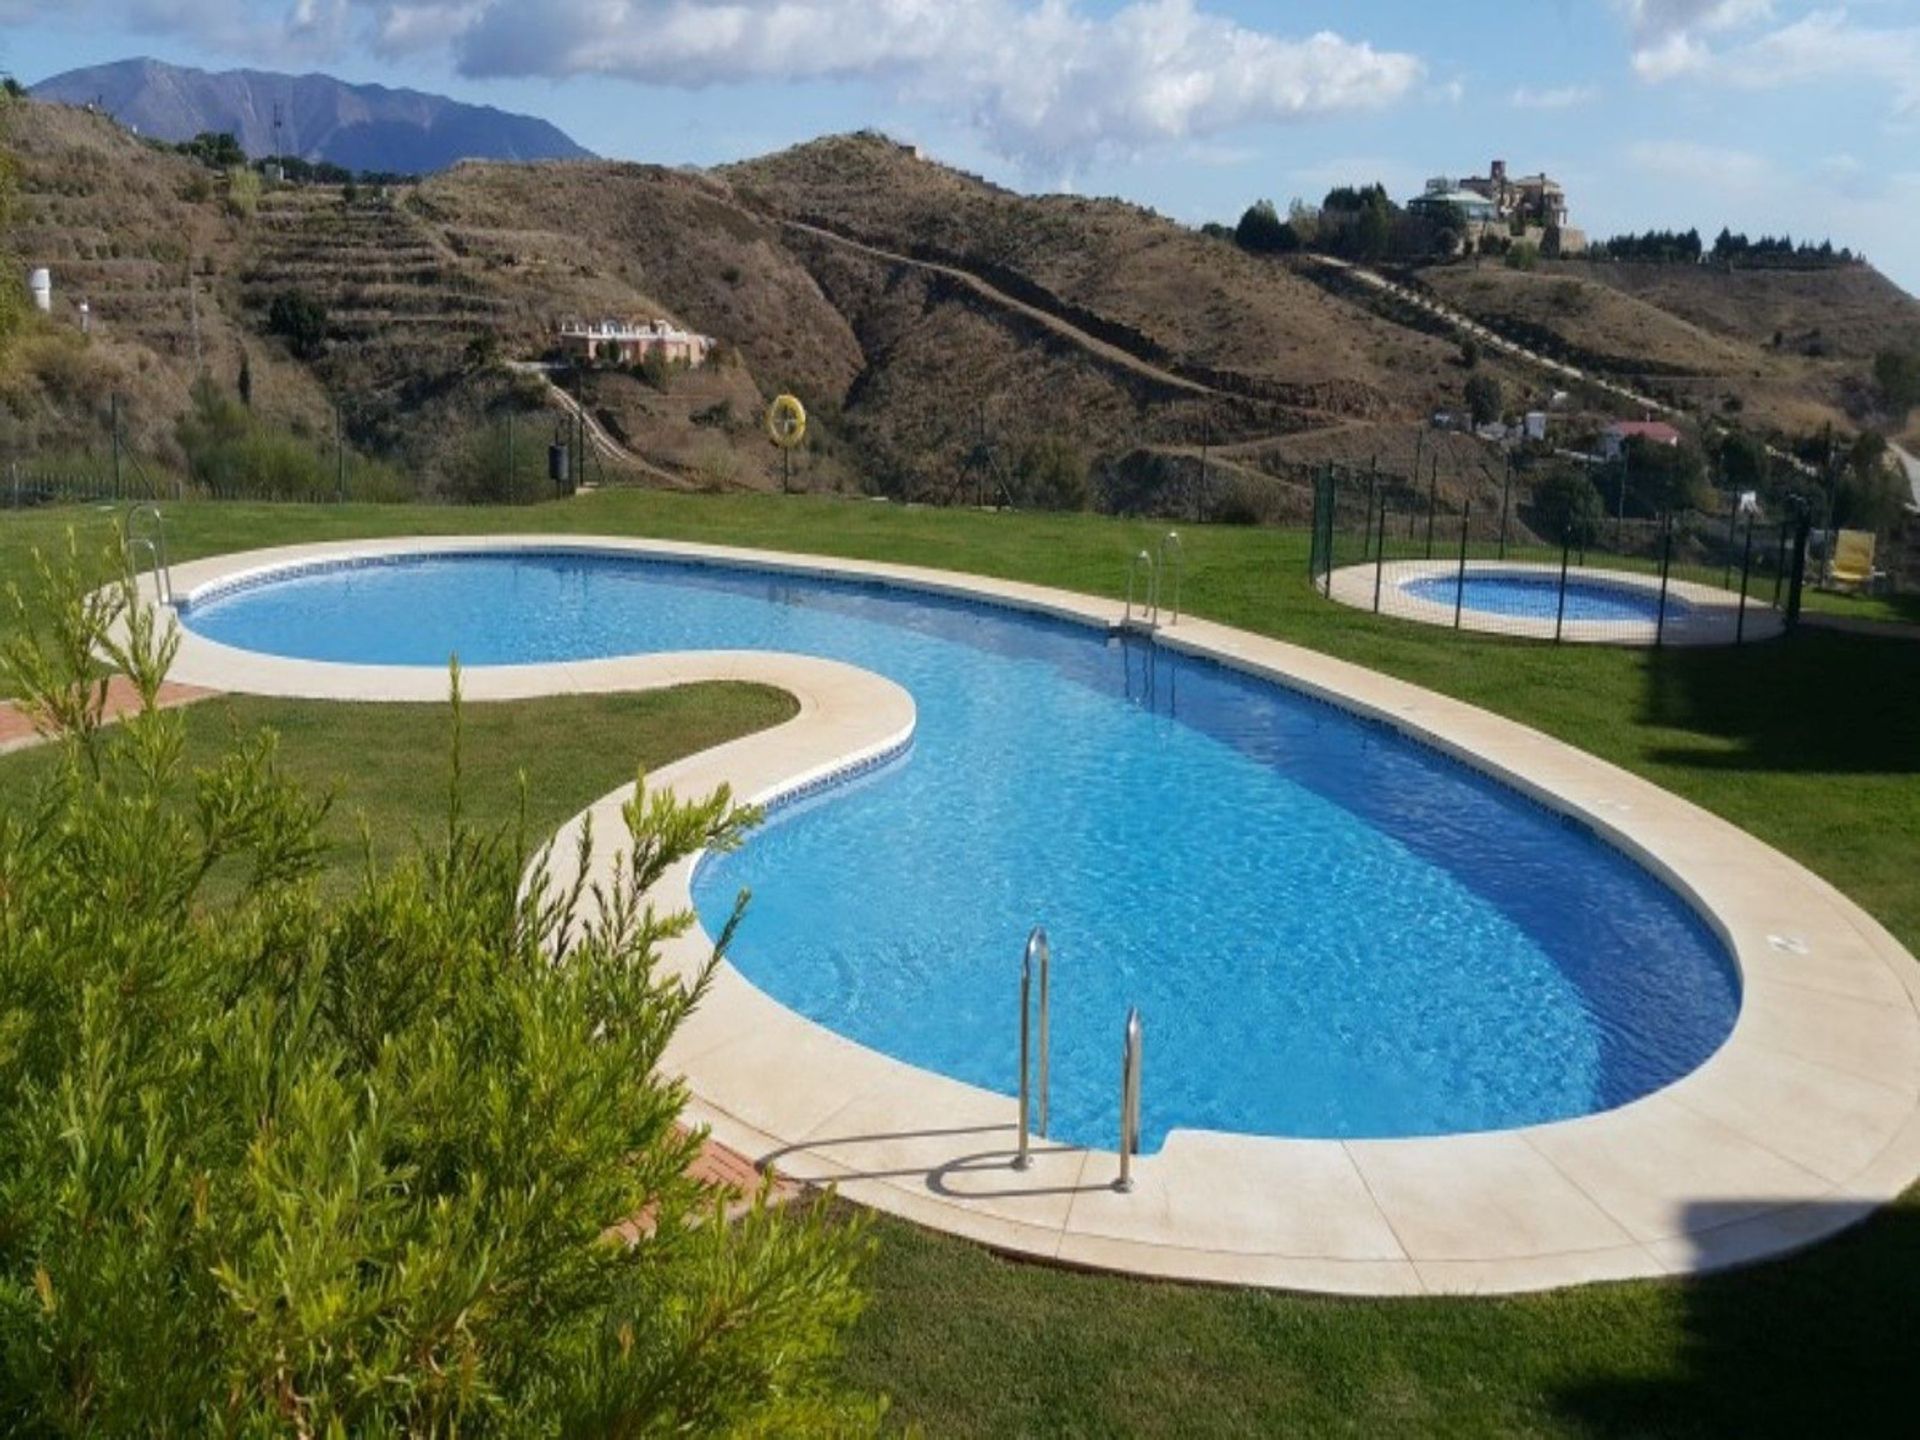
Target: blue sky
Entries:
(1775, 115)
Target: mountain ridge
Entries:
(322, 118)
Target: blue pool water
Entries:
(1329, 930)
(1536, 596)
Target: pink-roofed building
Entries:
(1613, 439)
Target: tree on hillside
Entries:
(1261, 231)
(301, 320)
(1868, 494)
(273, 1165)
(1742, 462)
(1566, 506)
(1052, 475)
(1896, 380)
(217, 150)
(1664, 477)
(1486, 398)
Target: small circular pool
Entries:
(1331, 929)
(1535, 595)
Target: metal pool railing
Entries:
(1038, 957)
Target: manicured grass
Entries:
(388, 767)
(1812, 744)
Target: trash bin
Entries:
(559, 467)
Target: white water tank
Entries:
(40, 285)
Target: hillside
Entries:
(952, 341)
(359, 127)
(1783, 350)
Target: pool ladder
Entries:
(1038, 958)
(1168, 559)
(138, 535)
(1036, 963)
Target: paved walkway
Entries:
(17, 730)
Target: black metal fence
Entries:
(513, 459)
(1541, 561)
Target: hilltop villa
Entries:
(631, 341)
(1530, 208)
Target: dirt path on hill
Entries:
(1104, 350)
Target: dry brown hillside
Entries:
(953, 340)
(1783, 350)
(1201, 307)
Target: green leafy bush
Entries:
(1052, 475)
(233, 454)
(1567, 506)
(269, 1166)
(301, 320)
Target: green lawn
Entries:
(1813, 744)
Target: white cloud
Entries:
(1695, 39)
(1044, 81)
(1051, 83)
(1563, 97)
(1654, 18)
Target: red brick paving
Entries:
(734, 1172)
(16, 725)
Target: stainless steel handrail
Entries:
(1130, 1050)
(1171, 538)
(156, 547)
(1038, 950)
(1150, 608)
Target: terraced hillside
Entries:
(140, 238)
(952, 340)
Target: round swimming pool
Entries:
(1330, 930)
(1535, 595)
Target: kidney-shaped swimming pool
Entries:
(1330, 930)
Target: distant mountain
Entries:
(363, 127)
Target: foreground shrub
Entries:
(274, 1167)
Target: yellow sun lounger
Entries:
(1853, 559)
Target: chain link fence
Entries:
(1543, 562)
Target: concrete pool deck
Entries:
(1805, 1120)
(1704, 614)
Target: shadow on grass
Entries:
(1821, 1343)
(1812, 702)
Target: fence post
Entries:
(1373, 486)
(1506, 496)
(339, 459)
(510, 465)
(1620, 515)
(1460, 584)
(116, 444)
(1780, 565)
(1666, 565)
(1733, 527)
(1380, 554)
(1802, 532)
(1333, 505)
(1746, 569)
(1560, 612)
(1433, 497)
